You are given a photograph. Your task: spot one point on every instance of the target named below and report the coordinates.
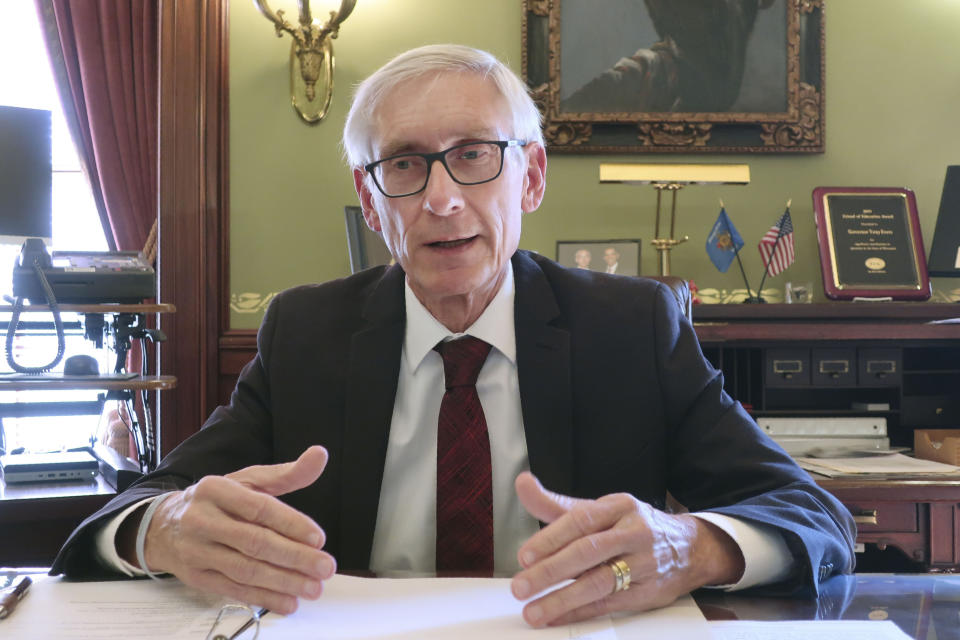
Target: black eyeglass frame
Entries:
(440, 156)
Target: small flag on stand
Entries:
(723, 242)
(776, 246)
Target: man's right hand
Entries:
(231, 535)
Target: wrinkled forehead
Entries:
(438, 109)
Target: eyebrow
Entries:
(400, 147)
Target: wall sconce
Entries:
(312, 49)
(672, 178)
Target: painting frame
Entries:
(870, 243)
(796, 128)
(627, 259)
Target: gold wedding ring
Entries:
(621, 575)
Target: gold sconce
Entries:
(672, 178)
(311, 55)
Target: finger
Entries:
(280, 479)
(248, 571)
(243, 503)
(216, 582)
(583, 521)
(544, 505)
(589, 589)
(263, 544)
(572, 561)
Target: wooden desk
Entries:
(37, 517)
(924, 606)
(919, 516)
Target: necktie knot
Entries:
(462, 360)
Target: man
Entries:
(582, 258)
(612, 257)
(595, 397)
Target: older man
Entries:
(430, 415)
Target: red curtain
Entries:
(104, 55)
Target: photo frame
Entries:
(614, 77)
(870, 243)
(365, 246)
(622, 256)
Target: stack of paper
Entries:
(896, 463)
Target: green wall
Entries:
(892, 119)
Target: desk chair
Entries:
(680, 289)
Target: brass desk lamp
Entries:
(672, 178)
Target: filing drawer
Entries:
(834, 367)
(884, 516)
(879, 367)
(787, 367)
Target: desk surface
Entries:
(924, 606)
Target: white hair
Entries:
(431, 59)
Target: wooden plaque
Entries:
(870, 243)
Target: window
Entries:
(26, 81)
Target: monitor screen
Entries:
(945, 250)
(25, 175)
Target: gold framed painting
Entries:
(668, 76)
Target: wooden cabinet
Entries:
(838, 359)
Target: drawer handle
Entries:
(866, 517)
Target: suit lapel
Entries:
(372, 374)
(543, 364)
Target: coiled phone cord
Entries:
(15, 323)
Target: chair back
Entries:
(680, 289)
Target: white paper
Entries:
(460, 608)
(895, 463)
(361, 608)
(807, 630)
(117, 610)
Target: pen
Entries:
(9, 600)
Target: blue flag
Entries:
(723, 242)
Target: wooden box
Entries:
(940, 445)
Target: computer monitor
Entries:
(945, 250)
(26, 209)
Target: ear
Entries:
(370, 214)
(535, 180)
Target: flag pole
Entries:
(773, 250)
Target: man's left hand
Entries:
(667, 555)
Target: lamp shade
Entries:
(675, 173)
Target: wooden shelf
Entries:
(828, 312)
(142, 383)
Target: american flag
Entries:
(778, 255)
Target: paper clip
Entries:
(252, 619)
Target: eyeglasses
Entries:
(236, 622)
(470, 163)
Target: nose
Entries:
(442, 196)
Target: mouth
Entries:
(451, 244)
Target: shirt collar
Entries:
(494, 326)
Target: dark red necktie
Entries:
(464, 477)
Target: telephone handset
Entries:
(34, 258)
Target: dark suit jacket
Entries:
(615, 393)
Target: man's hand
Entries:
(231, 535)
(668, 555)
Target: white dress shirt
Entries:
(405, 534)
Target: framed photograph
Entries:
(660, 76)
(870, 243)
(605, 256)
(365, 246)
